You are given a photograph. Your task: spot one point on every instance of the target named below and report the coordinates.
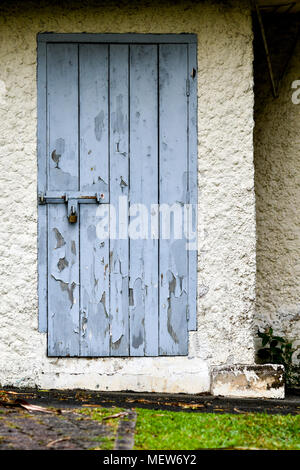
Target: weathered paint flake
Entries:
(59, 238)
(56, 157)
(62, 264)
(99, 125)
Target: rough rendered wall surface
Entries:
(226, 193)
(277, 166)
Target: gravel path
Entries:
(41, 431)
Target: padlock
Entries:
(72, 215)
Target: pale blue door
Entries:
(117, 127)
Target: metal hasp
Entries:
(72, 199)
(275, 84)
(56, 197)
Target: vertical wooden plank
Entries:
(94, 175)
(94, 286)
(192, 183)
(62, 78)
(173, 266)
(63, 284)
(143, 190)
(63, 238)
(93, 86)
(42, 182)
(119, 183)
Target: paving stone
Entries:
(36, 431)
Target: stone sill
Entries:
(248, 381)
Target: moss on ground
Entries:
(102, 414)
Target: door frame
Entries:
(131, 38)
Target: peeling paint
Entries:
(111, 254)
(105, 271)
(55, 157)
(99, 125)
(116, 344)
(172, 287)
(84, 321)
(119, 122)
(102, 180)
(65, 287)
(102, 301)
(59, 238)
(177, 308)
(122, 183)
(137, 324)
(131, 300)
(62, 264)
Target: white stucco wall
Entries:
(277, 165)
(226, 194)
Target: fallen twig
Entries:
(20, 403)
(117, 415)
(52, 443)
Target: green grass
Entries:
(104, 443)
(98, 413)
(169, 430)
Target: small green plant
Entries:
(277, 350)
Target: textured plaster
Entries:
(226, 193)
(277, 166)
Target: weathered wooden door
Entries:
(116, 129)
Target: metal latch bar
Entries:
(54, 197)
